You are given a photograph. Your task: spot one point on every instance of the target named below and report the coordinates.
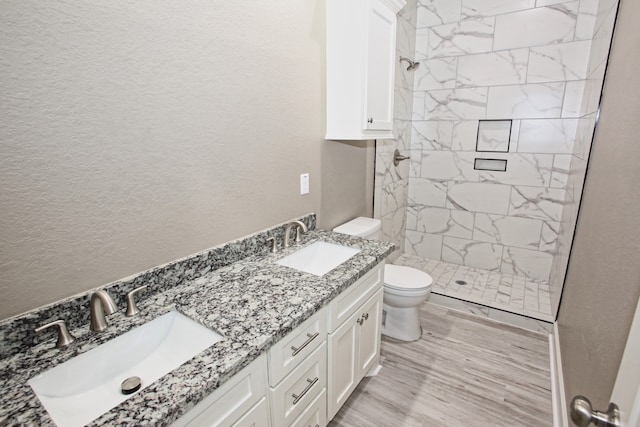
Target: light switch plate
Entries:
(304, 183)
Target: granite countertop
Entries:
(252, 303)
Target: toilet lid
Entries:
(401, 277)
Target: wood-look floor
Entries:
(464, 371)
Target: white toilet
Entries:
(405, 288)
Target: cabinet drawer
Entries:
(285, 355)
(294, 393)
(353, 297)
(315, 415)
(258, 416)
(228, 404)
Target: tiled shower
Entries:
(512, 86)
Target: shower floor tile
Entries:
(515, 294)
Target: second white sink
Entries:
(83, 388)
(318, 258)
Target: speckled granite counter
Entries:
(252, 302)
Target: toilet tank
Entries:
(367, 228)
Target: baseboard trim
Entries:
(557, 381)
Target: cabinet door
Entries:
(342, 364)
(380, 67)
(369, 340)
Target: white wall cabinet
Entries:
(354, 338)
(361, 60)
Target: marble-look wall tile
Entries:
(427, 192)
(548, 136)
(606, 9)
(528, 61)
(515, 135)
(542, 3)
(437, 12)
(508, 230)
(586, 22)
(479, 197)
(482, 8)
(525, 262)
(464, 135)
(537, 203)
(561, 169)
(445, 222)
(541, 100)
(573, 99)
(403, 103)
(601, 39)
(410, 13)
(559, 62)
(549, 236)
(405, 46)
(431, 135)
(437, 73)
(493, 68)
(522, 169)
(448, 165)
(456, 104)
(423, 245)
(461, 38)
(472, 253)
(535, 27)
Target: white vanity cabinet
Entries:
(354, 337)
(361, 60)
(298, 374)
(305, 377)
(240, 402)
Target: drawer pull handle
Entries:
(297, 397)
(310, 338)
(365, 316)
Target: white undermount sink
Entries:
(83, 388)
(318, 258)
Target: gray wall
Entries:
(135, 133)
(603, 279)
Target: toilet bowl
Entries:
(405, 288)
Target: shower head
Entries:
(412, 64)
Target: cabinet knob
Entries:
(360, 321)
(370, 120)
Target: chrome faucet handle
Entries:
(64, 336)
(132, 308)
(274, 244)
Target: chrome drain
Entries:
(461, 282)
(131, 385)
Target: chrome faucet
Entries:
(101, 303)
(287, 231)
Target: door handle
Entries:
(582, 414)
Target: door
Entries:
(369, 346)
(626, 391)
(380, 67)
(598, 316)
(342, 363)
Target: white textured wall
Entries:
(134, 133)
